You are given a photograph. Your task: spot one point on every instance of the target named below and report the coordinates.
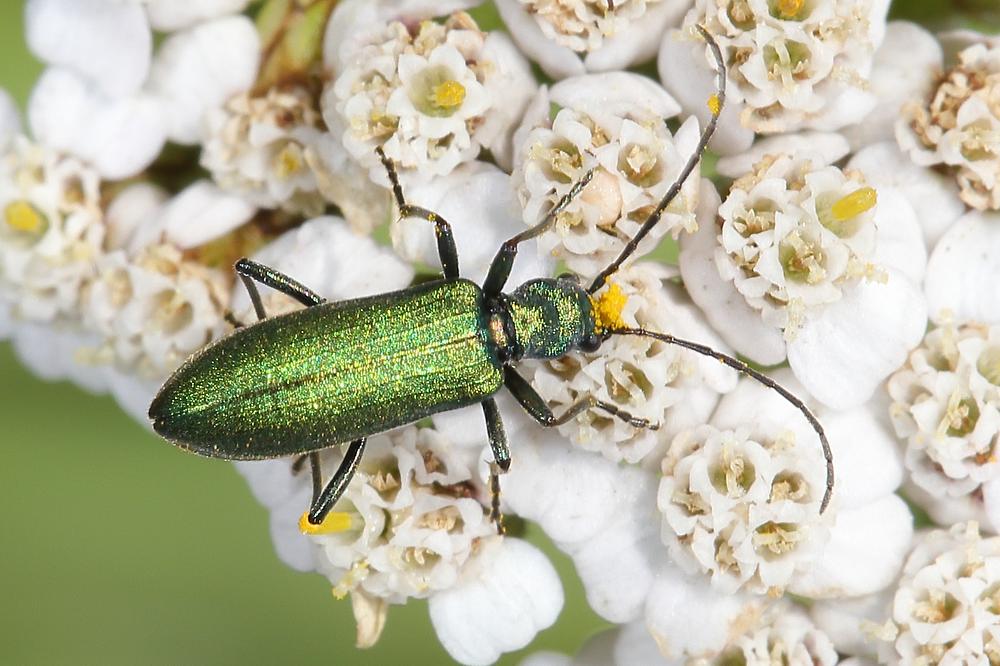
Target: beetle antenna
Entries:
(745, 369)
(715, 104)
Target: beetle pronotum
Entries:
(336, 373)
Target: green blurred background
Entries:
(116, 548)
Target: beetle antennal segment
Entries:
(715, 104)
(745, 369)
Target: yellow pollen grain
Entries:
(333, 523)
(714, 105)
(790, 8)
(448, 95)
(608, 308)
(22, 216)
(854, 204)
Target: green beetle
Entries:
(336, 373)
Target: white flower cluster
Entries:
(153, 164)
(958, 125)
(635, 157)
(944, 610)
(432, 95)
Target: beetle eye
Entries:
(590, 344)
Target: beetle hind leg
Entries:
(501, 458)
(324, 500)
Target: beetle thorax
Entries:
(551, 317)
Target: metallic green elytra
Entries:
(332, 373)
(336, 373)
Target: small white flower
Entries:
(154, 309)
(946, 407)
(799, 256)
(958, 125)
(261, 147)
(664, 384)
(52, 230)
(614, 123)
(431, 97)
(793, 64)
(945, 605)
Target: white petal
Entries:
(640, 39)
(615, 94)
(108, 42)
(687, 76)
(133, 393)
(933, 196)
(515, 595)
(133, 207)
(841, 620)
(900, 241)
(905, 68)
(688, 617)
(54, 354)
(170, 15)
(844, 352)
(635, 645)
(119, 137)
(10, 119)
(557, 61)
(547, 659)
(617, 566)
(198, 69)
(991, 503)
(202, 212)
(292, 547)
(570, 493)
(865, 552)
(478, 201)
(271, 481)
(724, 307)
(963, 271)
(867, 458)
(827, 147)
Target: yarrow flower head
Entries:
(946, 407)
(583, 25)
(945, 608)
(958, 126)
(795, 235)
(262, 148)
(431, 95)
(742, 507)
(636, 160)
(792, 64)
(52, 231)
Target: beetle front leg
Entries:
(322, 504)
(504, 259)
(250, 271)
(540, 411)
(501, 458)
(447, 252)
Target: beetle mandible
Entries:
(336, 373)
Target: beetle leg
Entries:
(447, 251)
(498, 437)
(250, 272)
(540, 411)
(496, 515)
(338, 484)
(504, 259)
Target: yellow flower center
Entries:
(448, 95)
(608, 309)
(289, 161)
(22, 216)
(334, 522)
